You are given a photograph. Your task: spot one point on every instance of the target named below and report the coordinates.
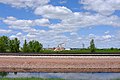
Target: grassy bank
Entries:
(30, 79)
(81, 51)
(116, 79)
(37, 79)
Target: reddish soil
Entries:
(22, 64)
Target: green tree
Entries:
(92, 46)
(4, 44)
(14, 45)
(112, 48)
(11, 46)
(17, 44)
(34, 46)
(25, 47)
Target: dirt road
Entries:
(60, 63)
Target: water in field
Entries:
(67, 76)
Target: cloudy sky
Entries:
(72, 22)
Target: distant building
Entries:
(59, 49)
(67, 49)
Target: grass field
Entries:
(38, 79)
(116, 79)
(30, 79)
(82, 51)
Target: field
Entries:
(81, 51)
(29, 79)
(37, 79)
(116, 79)
(60, 63)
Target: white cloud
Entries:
(19, 34)
(12, 36)
(25, 3)
(104, 7)
(30, 37)
(82, 20)
(107, 32)
(53, 12)
(1, 18)
(3, 31)
(107, 37)
(72, 24)
(73, 34)
(41, 22)
(92, 36)
(25, 24)
(11, 18)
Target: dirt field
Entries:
(59, 64)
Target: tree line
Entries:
(13, 45)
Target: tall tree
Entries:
(4, 44)
(11, 46)
(25, 47)
(34, 46)
(92, 46)
(14, 45)
(17, 44)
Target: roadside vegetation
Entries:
(30, 79)
(13, 46)
(115, 79)
(4, 74)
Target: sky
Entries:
(73, 22)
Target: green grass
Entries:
(115, 79)
(108, 50)
(80, 51)
(30, 79)
(64, 51)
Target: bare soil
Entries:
(29, 64)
